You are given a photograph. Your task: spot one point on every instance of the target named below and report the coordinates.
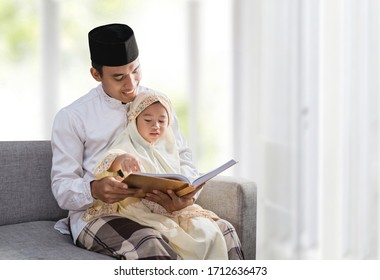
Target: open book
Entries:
(177, 182)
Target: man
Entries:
(84, 131)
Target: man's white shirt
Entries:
(82, 132)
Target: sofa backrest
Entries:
(25, 184)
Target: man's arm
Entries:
(186, 157)
(71, 190)
(74, 187)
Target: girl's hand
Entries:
(125, 162)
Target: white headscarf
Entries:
(161, 156)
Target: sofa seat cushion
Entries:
(39, 240)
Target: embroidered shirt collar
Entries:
(108, 99)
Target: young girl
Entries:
(195, 233)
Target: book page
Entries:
(178, 177)
(205, 177)
(177, 182)
(150, 183)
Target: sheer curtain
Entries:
(305, 101)
(306, 111)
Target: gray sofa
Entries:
(28, 209)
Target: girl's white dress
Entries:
(192, 231)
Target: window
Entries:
(184, 53)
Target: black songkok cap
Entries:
(112, 45)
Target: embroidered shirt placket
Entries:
(126, 113)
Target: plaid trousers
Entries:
(123, 238)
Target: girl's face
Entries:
(152, 122)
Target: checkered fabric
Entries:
(125, 239)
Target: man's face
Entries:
(120, 82)
(152, 122)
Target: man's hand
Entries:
(110, 190)
(170, 201)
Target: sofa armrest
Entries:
(235, 200)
